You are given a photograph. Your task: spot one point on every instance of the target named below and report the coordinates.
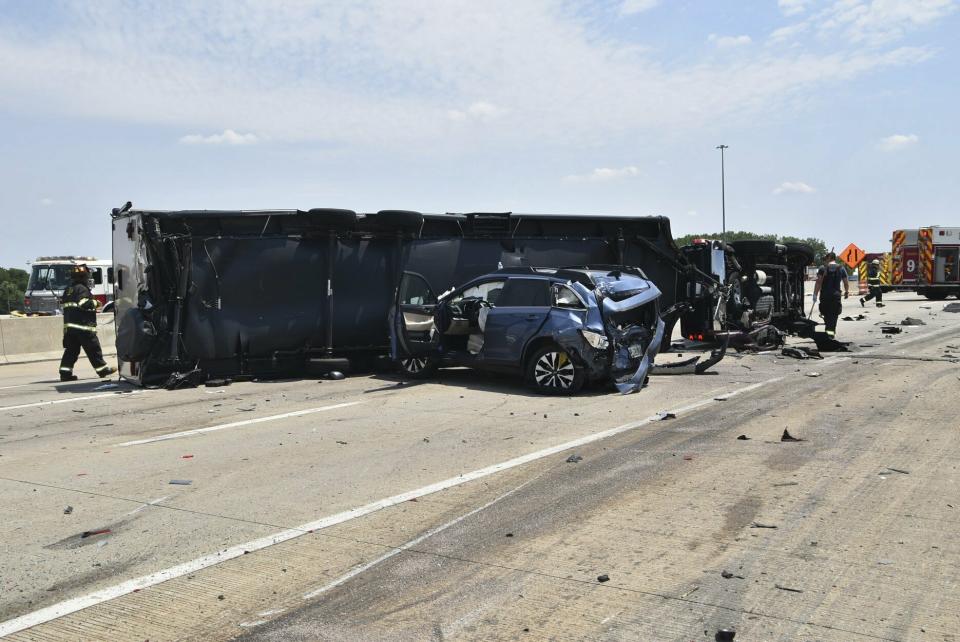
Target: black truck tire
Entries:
(400, 219)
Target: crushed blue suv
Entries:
(558, 327)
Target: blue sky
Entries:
(840, 114)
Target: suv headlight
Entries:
(595, 339)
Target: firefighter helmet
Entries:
(876, 261)
(80, 273)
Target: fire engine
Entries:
(938, 265)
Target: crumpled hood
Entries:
(640, 292)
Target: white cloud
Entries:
(897, 142)
(793, 187)
(630, 7)
(384, 74)
(693, 213)
(46, 202)
(603, 175)
(228, 137)
(727, 42)
(479, 111)
(788, 32)
(881, 21)
(792, 7)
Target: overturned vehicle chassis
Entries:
(292, 292)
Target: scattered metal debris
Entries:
(335, 375)
(728, 575)
(786, 484)
(743, 438)
(786, 436)
(897, 470)
(724, 635)
(341, 442)
(952, 307)
(101, 531)
(665, 415)
(761, 525)
(603, 578)
(181, 482)
(912, 321)
(787, 588)
(68, 510)
(813, 374)
(572, 459)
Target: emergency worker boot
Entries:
(881, 305)
(68, 377)
(105, 373)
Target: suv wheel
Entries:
(417, 367)
(551, 371)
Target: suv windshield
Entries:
(49, 277)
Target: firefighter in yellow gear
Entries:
(873, 282)
(80, 326)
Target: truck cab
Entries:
(50, 276)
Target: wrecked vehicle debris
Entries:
(763, 292)
(292, 293)
(559, 328)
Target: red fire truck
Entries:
(938, 273)
(906, 259)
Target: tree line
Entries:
(819, 247)
(13, 285)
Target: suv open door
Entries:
(414, 321)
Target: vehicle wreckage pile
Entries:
(559, 299)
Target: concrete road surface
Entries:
(378, 509)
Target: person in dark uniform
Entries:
(830, 279)
(873, 280)
(80, 326)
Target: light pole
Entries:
(723, 195)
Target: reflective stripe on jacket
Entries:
(79, 308)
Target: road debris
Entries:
(813, 374)
(603, 578)
(335, 375)
(786, 484)
(728, 575)
(68, 510)
(342, 443)
(720, 398)
(912, 321)
(663, 415)
(724, 635)
(101, 531)
(217, 383)
(761, 525)
(786, 436)
(889, 329)
(897, 470)
(181, 482)
(106, 386)
(743, 438)
(952, 307)
(787, 588)
(186, 456)
(572, 459)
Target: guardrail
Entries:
(26, 339)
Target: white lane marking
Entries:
(153, 503)
(72, 400)
(399, 549)
(237, 424)
(104, 595)
(247, 625)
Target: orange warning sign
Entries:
(852, 255)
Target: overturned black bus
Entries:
(287, 292)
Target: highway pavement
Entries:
(467, 507)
